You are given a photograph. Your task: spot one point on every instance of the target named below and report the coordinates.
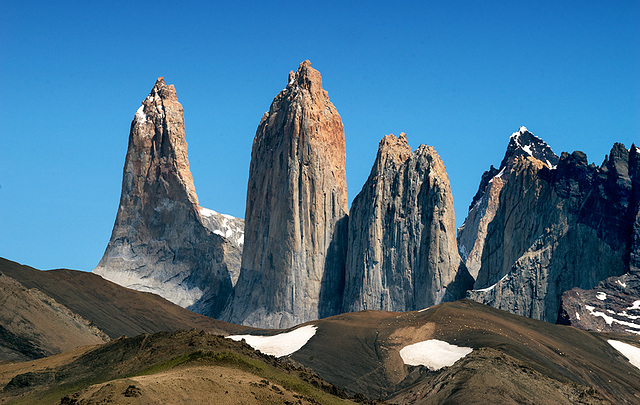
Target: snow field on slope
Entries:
(629, 351)
(433, 354)
(282, 344)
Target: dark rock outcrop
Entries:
(472, 234)
(554, 230)
(160, 242)
(612, 306)
(402, 251)
(296, 214)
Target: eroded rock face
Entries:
(160, 242)
(472, 234)
(402, 249)
(558, 229)
(296, 213)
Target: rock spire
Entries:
(556, 229)
(160, 242)
(472, 234)
(402, 249)
(296, 213)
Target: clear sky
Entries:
(460, 76)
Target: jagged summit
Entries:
(559, 229)
(306, 78)
(471, 234)
(524, 143)
(160, 241)
(394, 147)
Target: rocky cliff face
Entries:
(472, 234)
(296, 213)
(402, 251)
(161, 241)
(554, 230)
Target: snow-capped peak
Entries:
(521, 131)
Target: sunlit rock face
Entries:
(472, 234)
(296, 214)
(402, 250)
(161, 242)
(556, 229)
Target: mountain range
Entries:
(367, 294)
(455, 352)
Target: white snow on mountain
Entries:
(282, 344)
(629, 351)
(434, 354)
(227, 226)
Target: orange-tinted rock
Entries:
(160, 242)
(296, 214)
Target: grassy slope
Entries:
(178, 367)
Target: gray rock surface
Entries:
(296, 214)
(402, 250)
(554, 230)
(161, 242)
(472, 233)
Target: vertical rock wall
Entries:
(296, 214)
(402, 249)
(159, 242)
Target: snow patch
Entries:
(601, 296)
(527, 148)
(608, 319)
(433, 354)
(623, 285)
(207, 212)
(282, 344)
(493, 286)
(577, 316)
(625, 314)
(521, 131)
(629, 351)
(140, 115)
(635, 305)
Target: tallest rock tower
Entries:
(296, 216)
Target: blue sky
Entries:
(460, 76)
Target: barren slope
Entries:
(359, 352)
(113, 309)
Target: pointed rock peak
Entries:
(524, 143)
(395, 147)
(161, 91)
(153, 107)
(306, 78)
